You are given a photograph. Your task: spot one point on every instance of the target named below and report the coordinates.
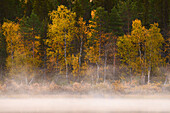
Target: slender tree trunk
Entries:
(149, 72)
(92, 78)
(12, 55)
(105, 65)
(26, 80)
(166, 74)
(33, 46)
(57, 62)
(33, 49)
(142, 74)
(166, 79)
(130, 75)
(114, 58)
(97, 72)
(45, 64)
(81, 47)
(98, 66)
(65, 56)
(149, 69)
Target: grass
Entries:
(118, 87)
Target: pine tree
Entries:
(3, 54)
(115, 23)
(128, 11)
(30, 29)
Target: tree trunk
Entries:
(92, 78)
(142, 74)
(166, 79)
(114, 58)
(105, 65)
(33, 49)
(97, 72)
(81, 47)
(166, 74)
(149, 72)
(149, 67)
(57, 62)
(65, 56)
(130, 75)
(26, 80)
(98, 66)
(12, 56)
(45, 65)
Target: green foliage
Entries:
(115, 23)
(30, 28)
(46, 34)
(101, 19)
(41, 8)
(3, 53)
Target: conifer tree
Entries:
(30, 29)
(3, 54)
(115, 23)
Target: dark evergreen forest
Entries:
(95, 41)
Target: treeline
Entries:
(96, 40)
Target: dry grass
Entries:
(118, 87)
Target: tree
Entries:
(10, 9)
(41, 8)
(141, 50)
(30, 29)
(101, 19)
(128, 12)
(3, 54)
(127, 52)
(82, 9)
(15, 48)
(154, 43)
(107, 4)
(81, 32)
(92, 46)
(60, 32)
(115, 23)
(77, 7)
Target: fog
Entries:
(120, 96)
(149, 104)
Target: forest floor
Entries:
(98, 89)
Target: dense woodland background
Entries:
(81, 40)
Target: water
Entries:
(84, 105)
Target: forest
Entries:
(64, 42)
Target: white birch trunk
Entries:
(65, 56)
(105, 66)
(97, 71)
(81, 47)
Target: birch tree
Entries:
(61, 31)
(141, 50)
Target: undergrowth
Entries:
(118, 87)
